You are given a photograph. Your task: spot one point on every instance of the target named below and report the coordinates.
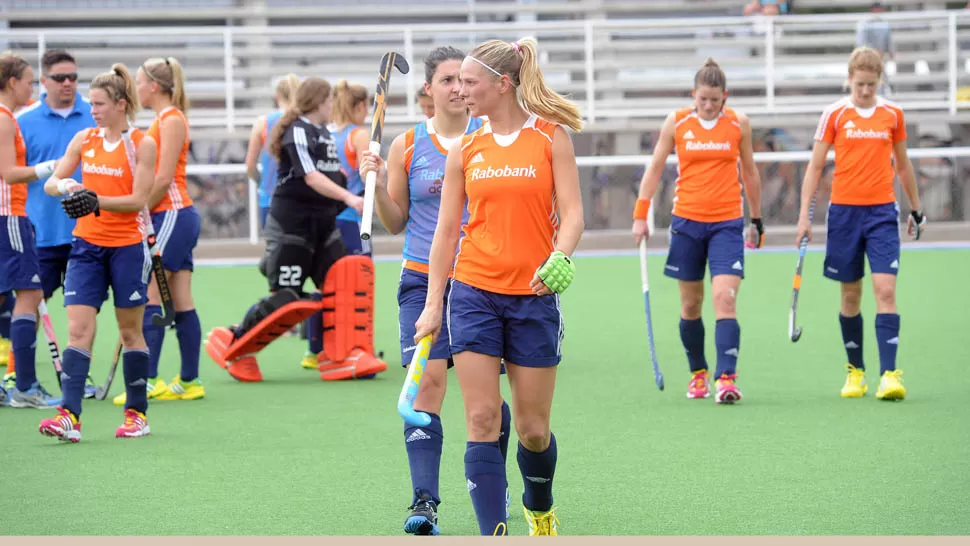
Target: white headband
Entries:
(492, 70)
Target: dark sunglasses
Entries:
(61, 78)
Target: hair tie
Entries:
(517, 47)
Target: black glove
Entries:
(760, 228)
(919, 222)
(81, 203)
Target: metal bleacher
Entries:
(626, 62)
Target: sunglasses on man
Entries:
(61, 78)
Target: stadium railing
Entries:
(610, 185)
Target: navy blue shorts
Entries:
(856, 231)
(53, 267)
(411, 293)
(696, 244)
(19, 264)
(92, 269)
(176, 235)
(524, 330)
(350, 233)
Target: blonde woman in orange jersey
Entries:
(707, 225)
(520, 178)
(118, 168)
(161, 87)
(19, 260)
(868, 133)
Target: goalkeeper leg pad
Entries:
(348, 320)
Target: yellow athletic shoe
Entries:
(309, 361)
(891, 386)
(855, 383)
(156, 386)
(5, 346)
(183, 390)
(542, 524)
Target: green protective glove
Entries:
(557, 272)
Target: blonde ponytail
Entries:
(168, 74)
(346, 97)
(119, 84)
(520, 62)
(286, 89)
(536, 96)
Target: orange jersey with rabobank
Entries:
(13, 197)
(106, 171)
(177, 196)
(863, 140)
(708, 186)
(513, 220)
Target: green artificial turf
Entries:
(294, 455)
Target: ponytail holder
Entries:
(517, 47)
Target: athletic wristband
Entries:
(641, 209)
(45, 169)
(62, 185)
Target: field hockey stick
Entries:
(101, 392)
(168, 305)
(45, 321)
(795, 332)
(388, 61)
(405, 402)
(646, 301)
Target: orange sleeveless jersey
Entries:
(863, 143)
(13, 197)
(108, 173)
(177, 196)
(513, 220)
(708, 187)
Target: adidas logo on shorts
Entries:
(135, 296)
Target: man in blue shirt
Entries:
(48, 126)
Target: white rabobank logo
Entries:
(90, 168)
(867, 134)
(707, 146)
(504, 172)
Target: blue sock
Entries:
(852, 338)
(423, 445)
(503, 434)
(154, 336)
(6, 313)
(692, 336)
(486, 481)
(538, 470)
(75, 367)
(23, 339)
(136, 362)
(887, 337)
(727, 341)
(314, 326)
(189, 332)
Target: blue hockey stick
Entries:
(646, 301)
(405, 402)
(795, 332)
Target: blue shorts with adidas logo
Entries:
(92, 269)
(720, 245)
(856, 231)
(19, 264)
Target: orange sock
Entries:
(10, 363)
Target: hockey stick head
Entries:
(390, 60)
(405, 402)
